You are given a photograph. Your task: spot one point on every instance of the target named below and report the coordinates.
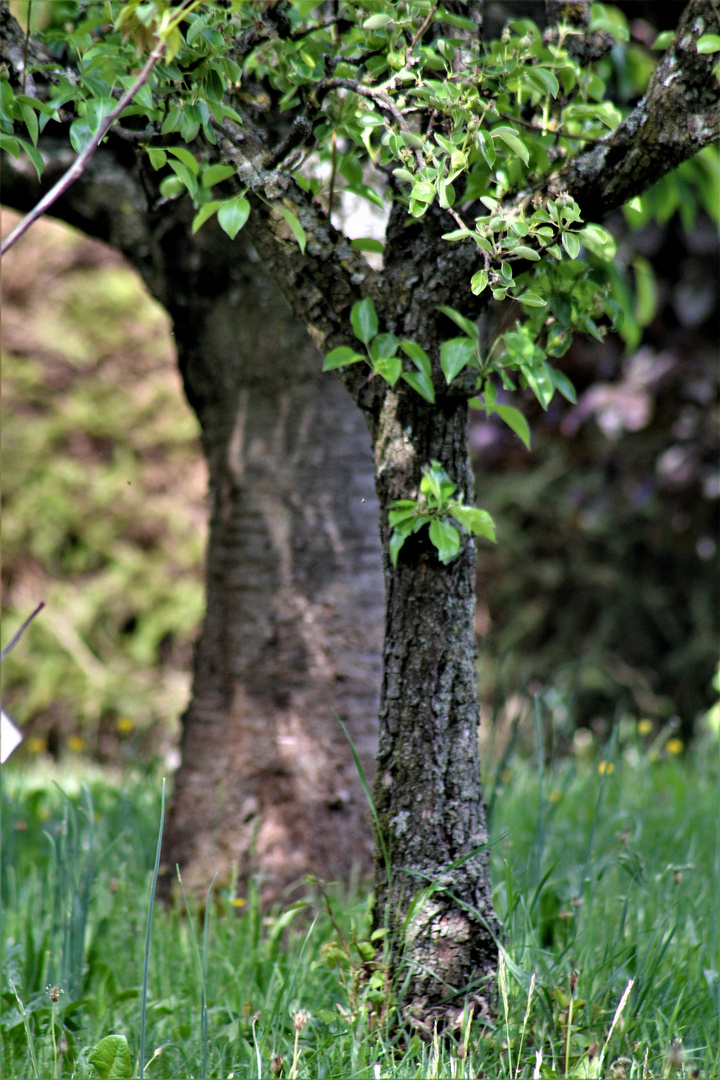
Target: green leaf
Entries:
(364, 320)
(185, 174)
(297, 229)
(367, 243)
(158, 157)
(366, 192)
(446, 194)
(446, 539)
(339, 357)
(511, 138)
(376, 22)
(423, 192)
(396, 542)
(10, 145)
(31, 122)
(186, 157)
(465, 324)
(563, 384)
(457, 234)
(436, 482)
(571, 243)
(532, 299)
(456, 354)
(478, 282)
(418, 355)
(215, 174)
(384, 345)
(474, 520)
(111, 1058)
(206, 211)
(708, 43)
(599, 241)
(540, 381)
(80, 135)
(526, 253)
(486, 148)
(232, 215)
(646, 295)
(548, 80)
(422, 383)
(171, 187)
(664, 39)
(389, 367)
(514, 420)
(35, 156)
(403, 515)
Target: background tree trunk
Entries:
(292, 636)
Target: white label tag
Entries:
(10, 737)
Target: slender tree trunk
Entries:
(435, 898)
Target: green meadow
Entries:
(606, 864)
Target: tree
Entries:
(497, 160)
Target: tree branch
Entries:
(679, 115)
(78, 166)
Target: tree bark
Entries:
(292, 636)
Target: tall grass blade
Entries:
(153, 886)
(203, 1001)
(371, 803)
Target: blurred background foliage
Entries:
(604, 587)
(605, 580)
(103, 502)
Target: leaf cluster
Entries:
(436, 509)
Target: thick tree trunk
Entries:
(292, 637)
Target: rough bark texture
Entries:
(292, 637)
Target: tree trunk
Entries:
(292, 636)
(436, 901)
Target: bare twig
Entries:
(423, 28)
(78, 166)
(16, 637)
(26, 45)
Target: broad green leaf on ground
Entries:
(111, 1058)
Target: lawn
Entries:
(607, 879)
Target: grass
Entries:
(607, 881)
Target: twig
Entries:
(16, 637)
(78, 166)
(556, 133)
(379, 97)
(333, 172)
(25, 46)
(422, 29)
